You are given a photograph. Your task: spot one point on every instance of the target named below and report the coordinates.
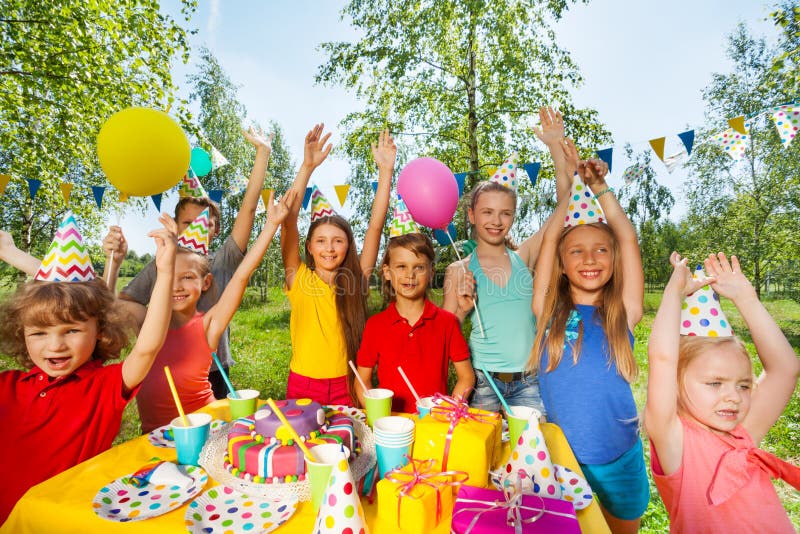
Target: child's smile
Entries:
(408, 273)
(60, 349)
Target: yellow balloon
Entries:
(142, 151)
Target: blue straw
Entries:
(496, 391)
(225, 376)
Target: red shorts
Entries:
(322, 390)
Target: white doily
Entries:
(212, 460)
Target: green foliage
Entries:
(786, 65)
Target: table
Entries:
(63, 503)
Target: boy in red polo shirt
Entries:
(412, 332)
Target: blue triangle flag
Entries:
(98, 192)
(688, 140)
(605, 155)
(215, 195)
(533, 171)
(374, 187)
(157, 201)
(33, 187)
(460, 177)
(306, 197)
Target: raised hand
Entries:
(594, 171)
(6, 242)
(729, 282)
(465, 290)
(681, 279)
(315, 149)
(571, 154)
(276, 213)
(258, 140)
(166, 242)
(551, 131)
(385, 151)
(114, 243)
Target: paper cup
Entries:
(391, 457)
(517, 422)
(424, 406)
(189, 440)
(245, 405)
(319, 472)
(378, 403)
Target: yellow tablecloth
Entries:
(64, 503)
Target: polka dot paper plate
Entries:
(161, 437)
(223, 509)
(351, 411)
(122, 501)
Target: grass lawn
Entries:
(261, 346)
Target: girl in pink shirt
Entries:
(705, 414)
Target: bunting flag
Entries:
(633, 173)
(460, 177)
(506, 173)
(341, 192)
(67, 259)
(66, 191)
(33, 187)
(374, 185)
(216, 195)
(238, 184)
(786, 119)
(658, 147)
(737, 123)
(265, 197)
(217, 159)
(157, 201)
(732, 142)
(123, 197)
(98, 191)
(4, 179)
(606, 155)
(687, 138)
(307, 197)
(671, 162)
(533, 171)
(320, 207)
(197, 236)
(402, 222)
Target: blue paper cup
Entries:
(189, 440)
(391, 457)
(424, 406)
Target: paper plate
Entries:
(355, 413)
(158, 437)
(223, 509)
(122, 501)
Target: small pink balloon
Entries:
(430, 192)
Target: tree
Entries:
(786, 65)
(458, 81)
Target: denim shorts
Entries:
(522, 392)
(621, 485)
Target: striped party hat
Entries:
(506, 174)
(402, 223)
(320, 207)
(191, 186)
(701, 313)
(67, 259)
(196, 236)
(583, 205)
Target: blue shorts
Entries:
(522, 392)
(621, 485)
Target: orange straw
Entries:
(309, 456)
(175, 396)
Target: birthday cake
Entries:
(262, 450)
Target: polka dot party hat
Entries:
(191, 186)
(787, 122)
(197, 235)
(340, 511)
(583, 206)
(402, 222)
(320, 207)
(67, 259)
(506, 174)
(701, 314)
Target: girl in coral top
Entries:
(705, 413)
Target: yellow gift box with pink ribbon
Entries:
(460, 438)
(415, 497)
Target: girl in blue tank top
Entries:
(587, 302)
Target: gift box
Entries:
(459, 438)
(481, 511)
(415, 497)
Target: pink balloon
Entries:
(430, 191)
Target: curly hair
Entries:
(40, 303)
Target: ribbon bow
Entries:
(737, 466)
(454, 410)
(422, 473)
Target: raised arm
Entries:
(661, 410)
(551, 233)
(243, 224)
(778, 380)
(384, 153)
(15, 257)
(314, 153)
(216, 320)
(156, 322)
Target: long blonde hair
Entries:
(558, 306)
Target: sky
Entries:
(644, 64)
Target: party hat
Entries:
(320, 207)
(196, 236)
(402, 223)
(506, 174)
(341, 510)
(67, 259)
(191, 186)
(701, 314)
(583, 206)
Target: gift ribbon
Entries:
(422, 473)
(452, 410)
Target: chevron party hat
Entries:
(67, 259)
(340, 510)
(402, 223)
(506, 174)
(191, 186)
(197, 236)
(320, 207)
(583, 205)
(701, 314)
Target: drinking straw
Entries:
(358, 376)
(309, 456)
(224, 375)
(496, 391)
(408, 382)
(474, 302)
(175, 396)
(108, 268)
